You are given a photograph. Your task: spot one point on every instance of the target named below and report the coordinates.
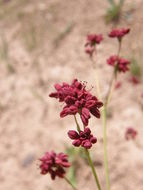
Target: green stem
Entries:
(89, 158)
(92, 168)
(78, 127)
(104, 116)
(69, 182)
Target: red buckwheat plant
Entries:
(77, 100)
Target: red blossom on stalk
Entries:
(92, 40)
(118, 63)
(130, 133)
(54, 164)
(77, 100)
(83, 138)
(119, 33)
(134, 80)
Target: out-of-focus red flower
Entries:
(77, 100)
(134, 80)
(112, 60)
(83, 138)
(118, 63)
(54, 164)
(119, 33)
(89, 50)
(130, 133)
(118, 85)
(91, 41)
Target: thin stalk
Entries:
(69, 182)
(92, 168)
(77, 125)
(104, 117)
(110, 91)
(89, 158)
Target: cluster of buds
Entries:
(54, 164)
(119, 64)
(119, 33)
(77, 100)
(83, 138)
(91, 42)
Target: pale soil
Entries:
(42, 42)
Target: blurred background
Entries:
(42, 43)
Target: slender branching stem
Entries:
(104, 119)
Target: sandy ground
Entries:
(41, 43)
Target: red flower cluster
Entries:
(54, 164)
(77, 100)
(119, 64)
(119, 33)
(83, 138)
(92, 40)
(130, 133)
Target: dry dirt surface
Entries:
(42, 43)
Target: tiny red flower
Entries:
(118, 85)
(77, 100)
(120, 64)
(130, 133)
(54, 164)
(119, 33)
(83, 138)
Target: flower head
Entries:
(83, 138)
(93, 39)
(120, 64)
(77, 100)
(119, 33)
(54, 164)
